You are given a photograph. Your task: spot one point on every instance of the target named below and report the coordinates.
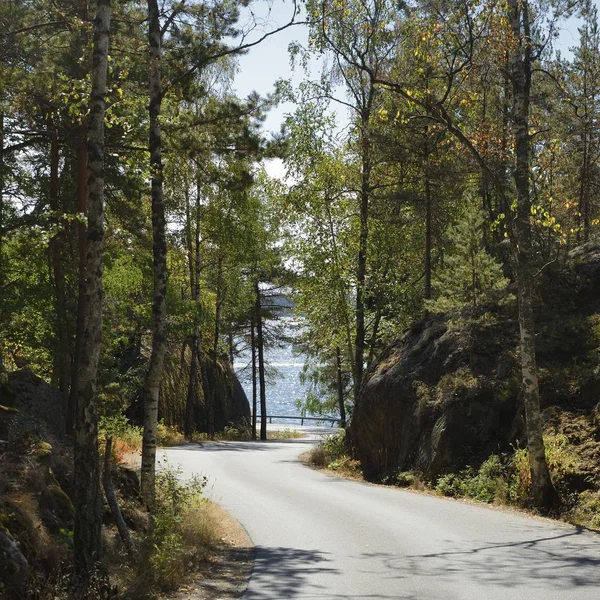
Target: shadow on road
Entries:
(560, 562)
(270, 445)
(283, 573)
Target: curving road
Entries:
(318, 536)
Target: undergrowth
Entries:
(127, 438)
(185, 533)
(502, 479)
(332, 453)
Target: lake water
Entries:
(285, 386)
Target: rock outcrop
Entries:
(231, 405)
(447, 395)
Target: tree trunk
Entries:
(428, 240)
(88, 505)
(1, 224)
(340, 286)
(261, 365)
(62, 360)
(375, 332)
(361, 270)
(544, 494)
(192, 391)
(193, 243)
(340, 388)
(253, 349)
(215, 349)
(159, 267)
(82, 163)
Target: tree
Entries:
(521, 57)
(469, 278)
(88, 516)
(159, 253)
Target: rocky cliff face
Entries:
(447, 395)
(230, 402)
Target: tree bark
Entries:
(261, 364)
(62, 360)
(2, 167)
(544, 494)
(193, 242)
(192, 391)
(88, 505)
(82, 162)
(361, 266)
(340, 387)
(215, 349)
(428, 231)
(254, 398)
(159, 267)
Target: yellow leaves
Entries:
(382, 114)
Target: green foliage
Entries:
(168, 559)
(401, 479)
(586, 511)
(470, 278)
(119, 427)
(486, 484)
(332, 453)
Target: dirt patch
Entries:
(227, 574)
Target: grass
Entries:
(284, 434)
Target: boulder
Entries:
(230, 402)
(439, 397)
(447, 395)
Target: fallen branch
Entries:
(113, 503)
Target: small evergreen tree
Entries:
(470, 277)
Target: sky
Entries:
(269, 61)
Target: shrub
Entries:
(486, 484)
(332, 453)
(168, 435)
(185, 530)
(127, 437)
(318, 456)
(587, 509)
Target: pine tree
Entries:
(470, 277)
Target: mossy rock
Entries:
(57, 501)
(42, 450)
(20, 519)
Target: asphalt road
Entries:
(319, 536)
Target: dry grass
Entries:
(201, 529)
(185, 539)
(285, 434)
